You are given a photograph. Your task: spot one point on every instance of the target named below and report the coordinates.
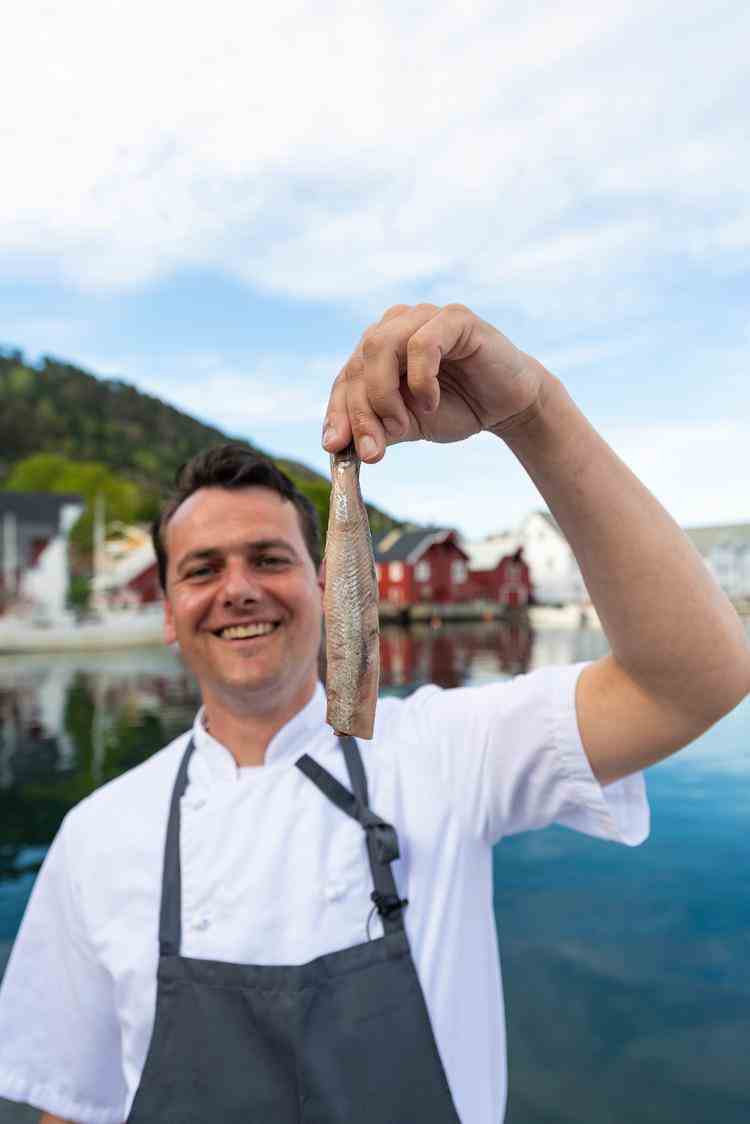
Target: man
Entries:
(319, 915)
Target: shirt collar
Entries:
(285, 746)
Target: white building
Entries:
(726, 552)
(34, 532)
(555, 576)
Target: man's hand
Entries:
(442, 374)
(436, 374)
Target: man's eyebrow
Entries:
(272, 544)
(254, 545)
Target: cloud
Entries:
(242, 396)
(484, 489)
(546, 160)
(278, 399)
(682, 465)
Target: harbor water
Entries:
(626, 970)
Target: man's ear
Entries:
(170, 634)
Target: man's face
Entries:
(243, 599)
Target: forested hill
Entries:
(57, 408)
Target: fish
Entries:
(350, 604)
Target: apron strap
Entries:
(170, 917)
(380, 837)
(355, 767)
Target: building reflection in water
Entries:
(70, 723)
(452, 655)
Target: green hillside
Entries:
(58, 408)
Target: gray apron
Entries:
(343, 1038)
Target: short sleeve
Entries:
(512, 759)
(59, 1036)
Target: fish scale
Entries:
(350, 604)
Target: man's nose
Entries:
(241, 585)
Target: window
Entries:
(395, 571)
(458, 571)
(422, 571)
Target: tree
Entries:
(50, 472)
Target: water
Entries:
(626, 974)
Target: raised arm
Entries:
(679, 657)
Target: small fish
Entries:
(350, 603)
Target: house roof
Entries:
(37, 507)
(126, 569)
(486, 555)
(706, 538)
(409, 546)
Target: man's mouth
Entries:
(246, 631)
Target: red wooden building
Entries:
(427, 565)
(506, 583)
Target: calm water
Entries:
(626, 970)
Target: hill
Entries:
(56, 407)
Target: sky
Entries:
(214, 202)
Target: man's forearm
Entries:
(668, 623)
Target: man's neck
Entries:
(246, 734)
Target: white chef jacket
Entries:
(274, 873)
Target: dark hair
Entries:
(234, 466)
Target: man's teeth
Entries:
(242, 631)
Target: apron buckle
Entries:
(388, 904)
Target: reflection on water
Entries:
(452, 655)
(626, 970)
(70, 723)
(67, 725)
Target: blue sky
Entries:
(213, 204)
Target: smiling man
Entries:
(263, 922)
(244, 599)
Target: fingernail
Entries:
(367, 447)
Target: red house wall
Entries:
(439, 587)
(398, 591)
(514, 582)
(509, 583)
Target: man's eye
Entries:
(200, 572)
(272, 560)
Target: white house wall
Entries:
(730, 565)
(557, 579)
(554, 571)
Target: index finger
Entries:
(385, 351)
(337, 431)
